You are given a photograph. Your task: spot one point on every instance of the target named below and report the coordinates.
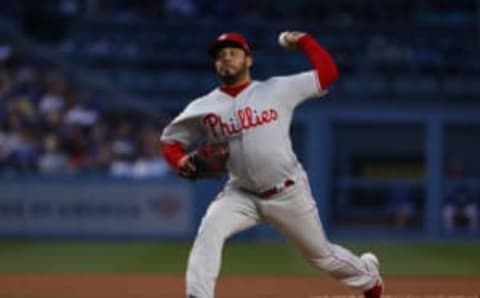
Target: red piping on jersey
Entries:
(322, 61)
(173, 153)
(234, 90)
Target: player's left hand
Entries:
(289, 39)
(208, 162)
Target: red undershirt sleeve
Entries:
(321, 60)
(173, 152)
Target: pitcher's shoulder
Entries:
(284, 78)
(207, 98)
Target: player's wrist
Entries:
(304, 41)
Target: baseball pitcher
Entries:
(245, 125)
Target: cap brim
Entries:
(217, 45)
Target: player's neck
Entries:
(237, 87)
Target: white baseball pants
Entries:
(294, 213)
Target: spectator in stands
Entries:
(23, 150)
(52, 160)
(50, 126)
(75, 140)
(52, 100)
(149, 163)
(100, 146)
(123, 149)
(460, 205)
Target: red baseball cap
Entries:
(229, 39)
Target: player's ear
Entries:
(249, 61)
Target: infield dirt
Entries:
(172, 286)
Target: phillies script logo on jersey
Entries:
(247, 118)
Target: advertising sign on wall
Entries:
(95, 209)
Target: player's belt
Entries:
(277, 189)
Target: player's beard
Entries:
(233, 75)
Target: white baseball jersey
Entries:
(255, 124)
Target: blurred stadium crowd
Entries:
(50, 126)
(153, 52)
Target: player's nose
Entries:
(226, 58)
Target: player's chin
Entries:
(226, 72)
(227, 75)
(229, 80)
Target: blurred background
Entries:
(87, 86)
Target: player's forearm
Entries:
(320, 59)
(173, 152)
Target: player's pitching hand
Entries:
(289, 39)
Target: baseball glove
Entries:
(209, 161)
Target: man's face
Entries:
(232, 64)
